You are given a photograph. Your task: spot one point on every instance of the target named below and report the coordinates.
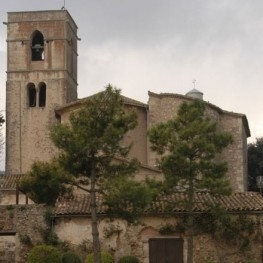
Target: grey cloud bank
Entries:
(162, 45)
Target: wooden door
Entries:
(166, 250)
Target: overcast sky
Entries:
(162, 45)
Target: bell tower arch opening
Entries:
(37, 46)
(42, 94)
(32, 95)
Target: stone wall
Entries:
(27, 126)
(8, 197)
(138, 136)
(20, 227)
(121, 238)
(163, 107)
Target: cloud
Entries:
(156, 45)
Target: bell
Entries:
(37, 47)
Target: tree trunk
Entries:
(190, 238)
(94, 224)
(190, 222)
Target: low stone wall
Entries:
(121, 238)
(20, 227)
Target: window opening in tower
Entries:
(32, 95)
(37, 47)
(42, 95)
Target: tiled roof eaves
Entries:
(60, 109)
(10, 181)
(133, 102)
(248, 203)
(81, 101)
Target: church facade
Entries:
(41, 90)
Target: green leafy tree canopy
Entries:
(44, 254)
(45, 182)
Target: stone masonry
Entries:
(30, 111)
(163, 107)
(20, 227)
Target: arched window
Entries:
(37, 46)
(42, 94)
(32, 94)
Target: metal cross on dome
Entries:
(194, 81)
(64, 6)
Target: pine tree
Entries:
(187, 146)
(88, 145)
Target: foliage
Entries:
(25, 239)
(70, 257)
(89, 144)
(233, 230)
(187, 146)
(45, 182)
(167, 229)
(106, 257)
(48, 217)
(48, 235)
(44, 254)
(191, 142)
(255, 163)
(129, 259)
(127, 198)
(94, 135)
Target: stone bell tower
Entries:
(41, 75)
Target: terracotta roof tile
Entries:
(172, 204)
(77, 205)
(10, 181)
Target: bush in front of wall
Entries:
(106, 257)
(44, 254)
(129, 259)
(71, 257)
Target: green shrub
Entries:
(44, 254)
(106, 257)
(70, 257)
(129, 259)
(49, 237)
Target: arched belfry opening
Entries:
(42, 94)
(37, 46)
(32, 94)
